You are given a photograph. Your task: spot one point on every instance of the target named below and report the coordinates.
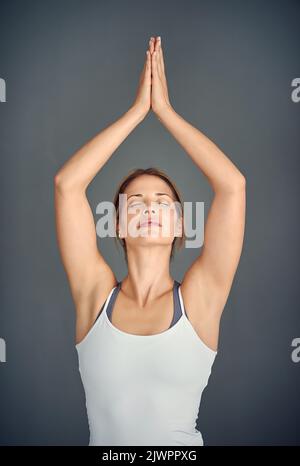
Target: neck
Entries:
(148, 273)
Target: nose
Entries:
(147, 209)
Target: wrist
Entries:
(138, 111)
(164, 112)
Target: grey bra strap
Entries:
(177, 308)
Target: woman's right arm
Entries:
(89, 276)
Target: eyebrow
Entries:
(157, 194)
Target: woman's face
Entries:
(149, 213)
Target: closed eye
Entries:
(137, 203)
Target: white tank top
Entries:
(143, 389)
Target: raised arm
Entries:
(207, 283)
(89, 276)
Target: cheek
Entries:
(134, 214)
(167, 219)
(129, 218)
(172, 220)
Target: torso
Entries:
(129, 378)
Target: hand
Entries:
(159, 88)
(143, 97)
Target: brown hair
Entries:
(133, 174)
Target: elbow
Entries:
(62, 183)
(233, 186)
(241, 182)
(65, 186)
(59, 181)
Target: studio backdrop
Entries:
(69, 69)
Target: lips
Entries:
(150, 222)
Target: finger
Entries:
(154, 65)
(161, 58)
(151, 45)
(162, 67)
(157, 50)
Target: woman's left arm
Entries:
(214, 269)
(207, 283)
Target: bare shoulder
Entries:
(203, 307)
(89, 304)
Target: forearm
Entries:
(221, 173)
(83, 166)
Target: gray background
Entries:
(71, 68)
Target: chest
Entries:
(172, 359)
(149, 320)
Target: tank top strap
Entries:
(110, 297)
(178, 311)
(112, 300)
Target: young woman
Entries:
(145, 366)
